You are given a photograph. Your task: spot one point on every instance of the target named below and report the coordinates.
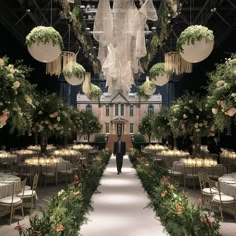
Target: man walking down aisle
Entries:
(119, 150)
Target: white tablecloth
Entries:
(6, 182)
(228, 184)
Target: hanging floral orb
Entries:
(159, 75)
(76, 75)
(195, 43)
(149, 87)
(44, 44)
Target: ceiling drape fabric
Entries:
(121, 35)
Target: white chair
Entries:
(221, 201)
(13, 202)
(29, 197)
(205, 189)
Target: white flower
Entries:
(220, 83)
(197, 130)
(190, 101)
(214, 111)
(197, 117)
(196, 125)
(58, 118)
(233, 94)
(40, 112)
(2, 62)
(60, 192)
(185, 116)
(16, 85)
(28, 99)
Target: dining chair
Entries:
(205, 189)
(29, 197)
(65, 170)
(50, 173)
(190, 175)
(12, 202)
(221, 201)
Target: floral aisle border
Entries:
(66, 212)
(177, 214)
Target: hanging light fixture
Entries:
(175, 63)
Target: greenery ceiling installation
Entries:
(44, 43)
(195, 43)
(159, 75)
(75, 18)
(75, 76)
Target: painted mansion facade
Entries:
(119, 113)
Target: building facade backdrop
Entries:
(119, 113)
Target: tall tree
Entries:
(145, 127)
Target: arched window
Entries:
(150, 109)
(89, 108)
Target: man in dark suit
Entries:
(119, 151)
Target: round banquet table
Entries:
(6, 182)
(228, 184)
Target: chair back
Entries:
(35, 182)
(202, 176)
(212, 185)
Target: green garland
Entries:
(43, 34)
(158, 70)
(77, 71)
(177, 214)
(194, 33)
(67, 210)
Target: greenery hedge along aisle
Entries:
(67, 210)
(177, 214)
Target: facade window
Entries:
(122, 109)
(85, 137)
(89, 108)
(107, 110)
(150, 109)
(107, 128)
(131, 110)
(131, 128)
(116, 109)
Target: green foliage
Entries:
(17, 96)
(95, 92)
(76, 18)
(77, 71)
(145, 127)
(43, 34)
(158, 70)
(161, 126)
(194, 33)
(177, 214)
(91, 124)
(66, 211)
(100, 138)
(222, 93)
(190, 114)
(138, 138)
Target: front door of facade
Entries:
(119, 128)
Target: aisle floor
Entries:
(120, 206)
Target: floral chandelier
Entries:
(121, 35)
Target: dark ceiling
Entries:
(18, 17)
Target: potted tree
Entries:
(44, 43)
(159, 75)
(75, 76)
(195, 43)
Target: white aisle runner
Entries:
(119, 208)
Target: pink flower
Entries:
(163, 194)
(59, 228)
(222, 104)
(76, 178)
(4, 117)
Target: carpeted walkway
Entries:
(119, 208)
